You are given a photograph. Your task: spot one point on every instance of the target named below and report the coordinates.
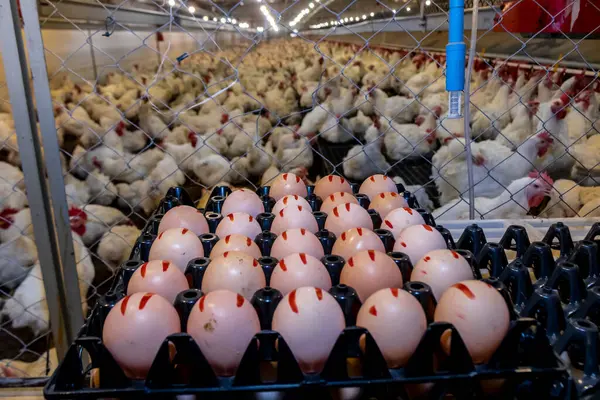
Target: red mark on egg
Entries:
(385, 177)
(302, 231)
(165, 265)
(336, 212)
(297, 179)
(454, 254)
(372, 179)
(388, 223)
(343, 235)
(160, 236)
(248, 242)
(424, 272)
(254, 263)
(347, 206)
(281, 213)
(359, 230)
(330, 178)
(319, 292)
(230, 216)
(201, 303)
(284, 235)
(240, 300)
(124, 304)
(408, 210)
(461, 316)
(250, 219)
(285, 177)
(373, 310)
(292, 301)
(382, 195)
(145, 300)
(371, 254)
(466, 291)
(331, 197)
(402, 244)
(303, 258)
(143, 270)
(225, 254)
(351, 262)
(299, 208)
(282, 265)
(342, 180)
(285, 200)
(296, 196)
(428, 228)
(394, 292)
(427, 258)
(227, 238)
(184, 231)
(394, 194)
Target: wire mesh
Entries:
(154, 94)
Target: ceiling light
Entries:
(351, 19)
(191, 9)
(205, 18)
(172, 3)
(215, 19)
(223, 20)
(394, 11)
(407, 9)
(234, 21)
(260, 29)
(346, 19)
(364, 16)
(428, 3)
(372, 14)
(295, 31)
(311, 5)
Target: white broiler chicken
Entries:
(514, 202)
(314, 120)
(135, 196)
(564, 200)
(12, 187)
(551, 118)
(410, 140)
(92, 221)
(397, 108)
(17, 247)
(365, 160)
(491, 118)
(116, 244)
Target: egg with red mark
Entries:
(368, 271)
(348, 216)
(385, 202)
(290, 200)
(238, 223)
(331, 184)
(417, 240)
(178, 245)
(135, 328)
(223, 324)
(243, 200)
(286, 184)
(298, 270)
(293, 217)
(236, 242)
(159, 276)
(234, 271)
(441, 269)
(479, 313)
(356, 240)
(396, 321)
(297, 241)
(396, 220)
(184, 217)
(310, 321)
(376, 184)
(336, 199)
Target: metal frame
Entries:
(47, 199)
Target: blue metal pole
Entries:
(455, 58)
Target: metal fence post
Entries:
(52, 232)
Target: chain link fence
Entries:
(152, 94)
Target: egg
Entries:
(396, 220)
(355, 240)
(298, 270)
(310, 321)
(368, 271)
(479, 313)
(330, 184)
(441, 269)
(294, 217)
(335, 199)
(234, 271)
(376, 184)
(223, 324)
(297, 241)
(290, 200)
(135, 328)
(286, 184)
(347, 216)
(240, 223)
(385, 202)
(178, 245)
(159, 276)
(184, 217)
(236, 242)
(416, 240)
(396, 321)
(243, 200)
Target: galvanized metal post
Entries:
(51, 230)
(93, 55)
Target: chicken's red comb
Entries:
(544, 176)
(546, 136)
(565, 98)
(6, 219)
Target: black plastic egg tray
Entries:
(556, 312)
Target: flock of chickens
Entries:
(133, 135)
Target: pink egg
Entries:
(294, 217)
(335, 199)
(223, 324)
(184, 217)
(479, 313)
(243, 200)
(135, 328)
(238, 223)
(298, 270)
(236, 242)
(348, 216)
(396, 220)
(376, 184)
(234, 271)
(297, 241)
(178, 245)
(368, 271)
(310, 321)
(290, 200)
(286, 184)
(356, 240)
(331, 184)
(385, 202)
(396, 321)
(441, 269)
(160, 277)
(417, 240)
